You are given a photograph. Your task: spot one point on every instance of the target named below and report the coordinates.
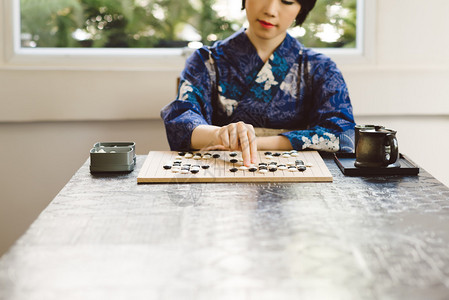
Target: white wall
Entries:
(401, 84)
(407, 65)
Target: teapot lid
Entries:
(378, 129)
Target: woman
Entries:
(261, 77)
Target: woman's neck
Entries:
(264, 47)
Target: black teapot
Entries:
(376, 147)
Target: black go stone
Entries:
(216, 155)
(299, 162)
(276, 154)
(233, 154)
(268, 153)
(233, 170)
(252, 169)
(273, 169)
(301, 168)
(167, 167)
(205, 166)
(194, 171)
(181, 153)
(234, 161)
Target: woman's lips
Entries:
(266, 24)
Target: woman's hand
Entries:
(235, 137)
(242, 137)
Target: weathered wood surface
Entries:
(106, 237)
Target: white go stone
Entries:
(309, 165)
(263, 171)
(175, 169)
(188, 155)
(243, 168)
(286, 155)
(292, 169)
(184, 171)
(294, 154)
(268, 156)
(282, 167)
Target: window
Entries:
(55, 34)
(166, 23)
(79, 81)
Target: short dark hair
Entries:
(306, 7)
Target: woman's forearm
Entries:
(204, 136)
(275, 142)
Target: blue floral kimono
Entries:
(296, 89)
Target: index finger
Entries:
(252, 144)
(244, 143)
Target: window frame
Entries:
(15, 56)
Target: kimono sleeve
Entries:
(331, 121)
(192, 106)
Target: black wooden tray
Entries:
(345, 161)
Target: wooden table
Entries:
(106, 237)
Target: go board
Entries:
(225, 166)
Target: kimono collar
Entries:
(238, 48)
(289, 49)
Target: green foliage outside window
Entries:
(165, 23)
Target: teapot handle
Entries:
(394, 151)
